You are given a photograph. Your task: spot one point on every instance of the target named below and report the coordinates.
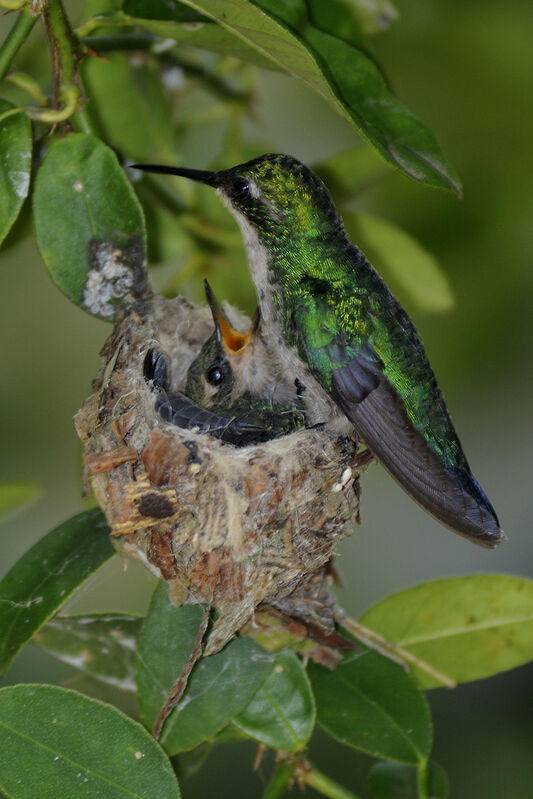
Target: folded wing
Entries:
(369, 400)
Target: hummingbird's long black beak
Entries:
(200, 175)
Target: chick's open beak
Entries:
(232, 341)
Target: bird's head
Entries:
(275, 194)
(225, 365)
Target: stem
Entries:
(280, 779)
(119, 41)
(148, 43)
(119, 20)
(375, 640)
(14, 39)
(163, 194)
(27, 84)
(422, 779)
(83, 122)
(210, 79)
(63, 46)
(10, 113)
(326, 786)
(68, 97)
(67, 84)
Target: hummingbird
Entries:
(231, 391)
(339, 332)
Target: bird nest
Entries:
(234, 527)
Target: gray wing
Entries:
(183, 412)
(369, 400)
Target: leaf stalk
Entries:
(326, 786)
(422, 778)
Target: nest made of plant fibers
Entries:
(235, 527)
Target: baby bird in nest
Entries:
(232, 390)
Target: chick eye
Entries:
(241, 189)
(214, 375)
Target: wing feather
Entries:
(369, 400)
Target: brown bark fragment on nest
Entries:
(99, 462)
(233, 527)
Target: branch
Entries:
(14, 39)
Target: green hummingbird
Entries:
(337, 330)
(231, 389)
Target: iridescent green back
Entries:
(330, 300)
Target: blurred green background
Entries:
(465, 69)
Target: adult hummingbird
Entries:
(337, 330)
(231, 390)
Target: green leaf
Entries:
(162, 9)
(338, 17)
(395, 781)
(411, 271)
(188, 763)
(132, 106)
(15, 163)
(352, 20)
(282, 713)
(44, 577)
(467, 627)
(342, 74)
(372, 704)
(220, 685)
(89, 226)
(59, 743)
(166, 19)
(101, 645)
(14, 496)
(165, 642)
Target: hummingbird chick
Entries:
(231, 389)
(335, 327)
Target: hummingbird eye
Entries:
(240, 189)
(215, 375)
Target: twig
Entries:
(14, 39)
(376, 641)
(179, 686)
